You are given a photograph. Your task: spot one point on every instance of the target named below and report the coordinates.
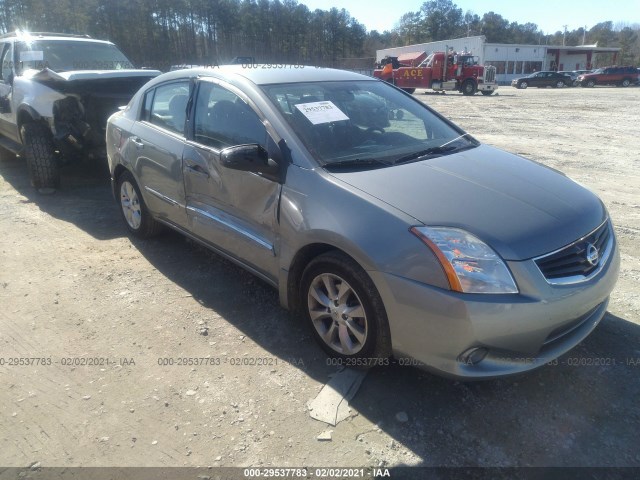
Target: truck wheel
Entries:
(135, 213)
(469, 87)
(43, 165)
(486, 93)
(409, 90)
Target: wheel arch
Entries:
(302, 258)
(117, 172)
(26, 114)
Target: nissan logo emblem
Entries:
(592, 254)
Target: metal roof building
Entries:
(511, 60)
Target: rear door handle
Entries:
(137, 142)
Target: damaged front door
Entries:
(233, 210)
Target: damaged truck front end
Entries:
(79, 118)
(57, 93)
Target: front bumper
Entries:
(435, 327)
(487, 87)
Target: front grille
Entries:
(571, 261)
(489, 74)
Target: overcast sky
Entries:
(550, 15)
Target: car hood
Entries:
(520, 208)
(104, 83)
(50, 75)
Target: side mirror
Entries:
(249, 158)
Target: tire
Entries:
(410, 91)
(523, 85)
(590, 83)
(344, 310)
(486, 93)
(626, 82)
(134, 211)
(559, 84)
(42, 162)
(468, 87)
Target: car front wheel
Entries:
(626, 82)
(559, 84)
(133, 209)
(344, 309)
(523, 85)
(590, 83)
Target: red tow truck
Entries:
(459, 72)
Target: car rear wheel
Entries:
(523, 85)
(344, 309)
(43, 165)
(559, 84)
(133, 209)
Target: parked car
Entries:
(56, 93)
(388, 234)
(621, 76)
(543, 79)
(571, 74)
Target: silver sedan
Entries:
(388, 229)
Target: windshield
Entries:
(70, 55)
(364, 121)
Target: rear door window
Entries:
(166, 106)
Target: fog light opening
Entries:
(473, 356)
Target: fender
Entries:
(24, 111)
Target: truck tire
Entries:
(410, 91)
(43, 165)
(469, 87)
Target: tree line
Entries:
(160, 33)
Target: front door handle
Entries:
(137, 142)
(197, 169)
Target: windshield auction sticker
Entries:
(31, 56)
(321, 112)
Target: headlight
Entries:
(470, 264)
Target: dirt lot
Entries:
(73, 285)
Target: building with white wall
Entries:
(511, 60)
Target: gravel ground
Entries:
(74, 286)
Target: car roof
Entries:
(267, 74)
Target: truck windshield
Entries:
(363, 122)
(69, 55)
